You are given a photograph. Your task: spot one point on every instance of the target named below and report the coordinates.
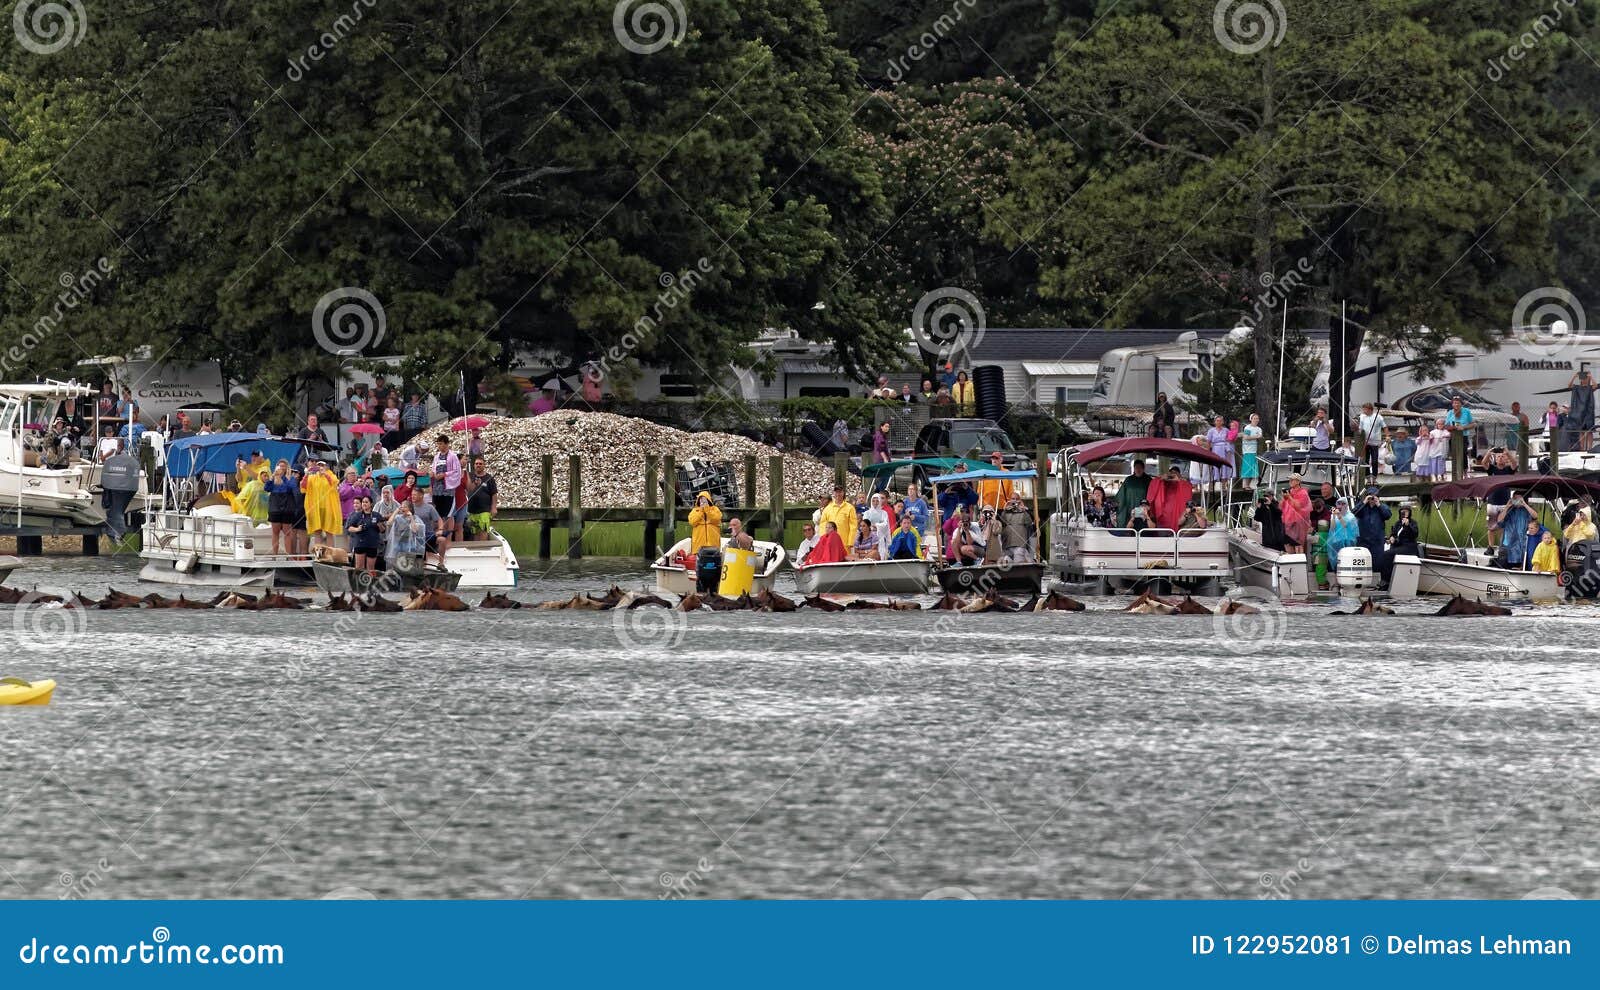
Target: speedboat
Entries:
(674, 569)
(1112, 560)
(33, 496)
(864, 577)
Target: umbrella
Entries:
(469, 423)
(367, 428)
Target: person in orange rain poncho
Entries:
(323, 517)
(1168, 497)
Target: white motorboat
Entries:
(674, 569)
(1288, 575)
(1472, 574)
(488, 562)
(8, 564)
(1112, 559)
(864, 577)
(33, 496)
(215, 547)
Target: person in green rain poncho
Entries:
(1135, 489)
(1320, 548)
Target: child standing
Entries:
(1320, 548)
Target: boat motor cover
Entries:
(120, 473)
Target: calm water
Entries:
(566, 754)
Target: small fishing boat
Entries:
(864, 577)
(8, 564)
(1006, 576)
(1476, 573)
(674, 569)
(16, 691)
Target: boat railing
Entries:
(208, 536)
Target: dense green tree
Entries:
(497, 178)
(1358, 137)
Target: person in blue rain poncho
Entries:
(1343, 531)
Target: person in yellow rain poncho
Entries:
(1581, 527)
(252, 498)
(1547, 556)
(323, 518)
(705, 525)
(841, 513)
(963, 394)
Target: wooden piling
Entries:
(547, 473)
(30, 546)
(839, 470)
(1458, 455)
(774, 497)
(750, 480)
(669, 500)
(574, 507)
(652, 526)
(1522, 449)
(91, 544)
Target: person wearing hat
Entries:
(994, 493)
(986, 534)
(1372, 519)
(1296, 508)
(545, 401)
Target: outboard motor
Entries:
(708, 570)
(1582, 564)
(1355, 572)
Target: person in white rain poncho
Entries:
(879, 518)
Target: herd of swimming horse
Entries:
(437, 600)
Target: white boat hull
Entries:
(864, 577)
(679, 581)
(1480, 580)
(201, 574)
(487, 563)
(1287, 575)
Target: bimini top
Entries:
(216, 452)
(1538, 485)
(982, 474)
(1160, 447)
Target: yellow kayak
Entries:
(16, 691)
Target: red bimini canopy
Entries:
(1153, 446)
(1538, 485)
